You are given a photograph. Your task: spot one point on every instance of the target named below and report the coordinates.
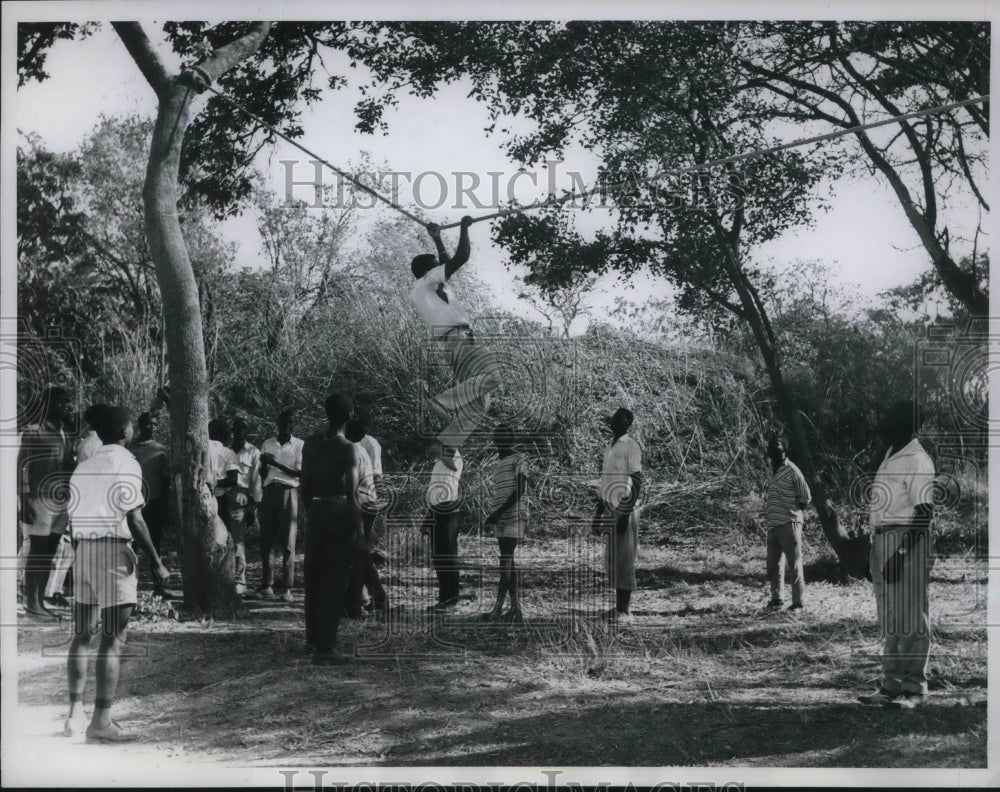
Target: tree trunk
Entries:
(207, 558)
(207, 561)
(852, 552)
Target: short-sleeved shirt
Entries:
(288, 454)
(106, 486)
(435, 304)
(904, 481)
(374, 449)
(620, 461)
(248, 475)
(785, 491)
(153, 460)
(221, 460)
(46, 461)
(366, 477)
(444, 483)
(87, 446)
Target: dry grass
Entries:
(705, 676)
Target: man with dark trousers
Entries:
(45, 463)
(329, 484)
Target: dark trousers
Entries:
(279, 523)
(364, 572)
(42, 550)
(155, 515)
(331, 546)
(444, 549)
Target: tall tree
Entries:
(207, 562)
(847, 74)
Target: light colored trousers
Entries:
(477, 375)
(903, 611)
(785, 541)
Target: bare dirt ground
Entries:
(705, 676)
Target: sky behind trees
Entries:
(864, 237)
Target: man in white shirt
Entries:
(617, 515)
(476, 368)
(900, 517)
(242, 499)
(364, 574)
(280, 469)
(105, 516)
(63, 560)
(443, 501)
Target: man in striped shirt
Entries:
(787, 495)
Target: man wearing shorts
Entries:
(105, 517)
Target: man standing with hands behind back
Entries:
(787, 495)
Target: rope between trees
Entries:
(203, 83)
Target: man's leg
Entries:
(155, 515)
(289, 533)
(62, 562)
(311, 569)
(114, 624)
(775, 565)
(915, 626)
(509, 571)
(356, 583)
(266, 518)
(237, 529)
(882, 547)
(626, 542)
(453, 575)
(36, 574)
(791, 544)
(335, 562)
(85, 623)
(439, 547)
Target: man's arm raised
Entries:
(461, 252)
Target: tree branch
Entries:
(141, 49)
(224, 58)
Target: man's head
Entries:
(339, 409)
(92, 415)
(777, 449)
(114, 426)
(621, 421)
(239, 432)
(353, 431)
(900, 422)
(286, 422)
(217, 430)
(147, 426)
(58, 404)
(423, 264)
(503, 438)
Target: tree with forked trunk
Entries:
(206, 550)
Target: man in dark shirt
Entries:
(152, 458)
(329, 483)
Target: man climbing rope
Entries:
(476, 368)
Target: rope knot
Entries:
(196, 78)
